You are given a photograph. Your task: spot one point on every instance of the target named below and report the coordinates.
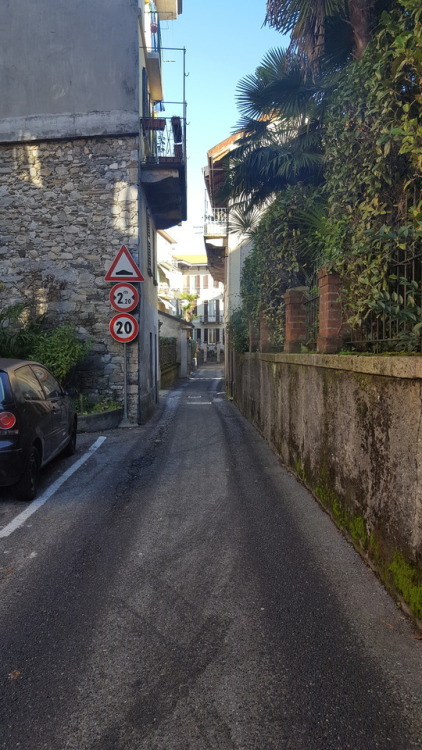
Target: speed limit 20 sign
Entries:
(124, 327)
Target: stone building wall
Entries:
(66, 207)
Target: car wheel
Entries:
(26, 488)
(70, 448)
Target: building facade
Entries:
(89, 163)
(208, 310)
(226, 251)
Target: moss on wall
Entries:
(398, 575)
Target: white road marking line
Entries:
(33, 507)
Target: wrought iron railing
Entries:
(216, 223)
(389, 326)
(211, 318)
(164, 140)
(155, 32)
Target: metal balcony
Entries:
(164, 140)
(211, 318)
(216, 223)
(163, 168)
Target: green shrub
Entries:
(59, 350)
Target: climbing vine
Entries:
(373, 146)
(284, 250)
(365, 220)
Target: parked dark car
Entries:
(37, 422)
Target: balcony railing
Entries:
(215, 223)
(211, 318)
(164, 140)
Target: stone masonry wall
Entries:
(66, 207)
(350, 427)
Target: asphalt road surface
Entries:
(182, 591)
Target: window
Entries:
(145, 94)
(3, 386)
(205, 311)
(197, 284)
(216, 284)
(28, 384)
(198, 334)
(217, 335)
(186, 283)
(211, 336)
(205, 335)
(205, 282)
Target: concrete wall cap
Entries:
(395, 367)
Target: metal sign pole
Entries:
(125, 380)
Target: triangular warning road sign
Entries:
(123, 268)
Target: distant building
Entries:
(226, 251)
(208, 313)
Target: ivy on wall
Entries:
(285, 244)
(373, 147)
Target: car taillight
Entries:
(7, 420)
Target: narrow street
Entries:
(182, 591)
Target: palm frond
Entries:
(244, 221)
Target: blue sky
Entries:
(224, 41)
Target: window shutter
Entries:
(149, 244)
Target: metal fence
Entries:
(168, 353)
(389, 326)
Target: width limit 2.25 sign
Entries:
(124, 327)
(124, 297)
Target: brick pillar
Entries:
(253, 337)
(264, 335)
(330, 313)
(296, 332)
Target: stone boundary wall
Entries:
(66, 207)
(350, 427)
(169, 375)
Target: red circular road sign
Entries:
(124, 297)
(124, 328)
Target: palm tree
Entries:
(282, 128)
(317, 25)
(188, 303)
